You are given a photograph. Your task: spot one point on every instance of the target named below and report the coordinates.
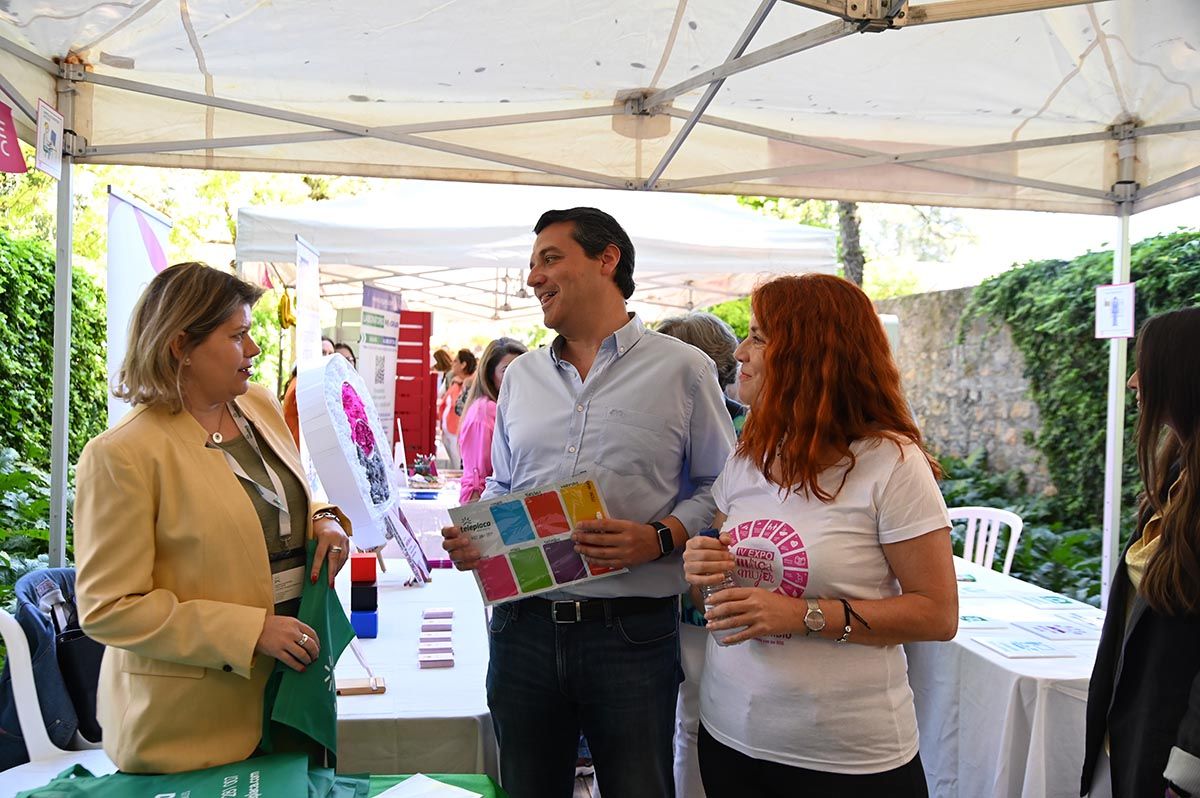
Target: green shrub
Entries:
(24, 524)
(27, 357)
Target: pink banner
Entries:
(154, 250)
(11, 159)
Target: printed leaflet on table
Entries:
(1050, 601)
(1021, 648)
(970, 621)
(1055, 630)
(524, 539)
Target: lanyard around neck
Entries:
(274, 494)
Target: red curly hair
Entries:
(829, 379)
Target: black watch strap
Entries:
(666, 541)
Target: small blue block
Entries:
(366, 624)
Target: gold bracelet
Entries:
(317, 516)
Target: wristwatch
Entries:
(814, 619)
(666, 542)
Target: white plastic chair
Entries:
(46, 760)
(986, 521)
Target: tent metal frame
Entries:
(851, 17)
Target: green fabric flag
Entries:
(264, 776)
(324, 783)
(275, 776)
(307, 701)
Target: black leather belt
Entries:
(576, 611)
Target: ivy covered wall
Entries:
(1048, 308)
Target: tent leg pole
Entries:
(1118, 349)
(61, 384)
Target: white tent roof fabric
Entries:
(536, 91)
(464, 250)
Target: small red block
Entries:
(362, 567)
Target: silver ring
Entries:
(336, 549)
(303, 639)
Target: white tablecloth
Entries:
(432, 721)
(993, 727)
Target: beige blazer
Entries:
(173, 577)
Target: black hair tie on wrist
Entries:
(849, 611)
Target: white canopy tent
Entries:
(462, 251)
(1058, 105)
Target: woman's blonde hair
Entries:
(188, 298)
(485, 379)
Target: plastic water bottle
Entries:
(708, 591)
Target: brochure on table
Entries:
(972, 621)
(1022, 648)
(1058, 630)
(1051, 601)
(421, 786)
(1094, 618)
(524, 539)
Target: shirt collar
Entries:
(621, 341)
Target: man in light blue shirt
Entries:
(642, 414)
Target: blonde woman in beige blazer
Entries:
(176, 553)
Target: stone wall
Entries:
(968, 395)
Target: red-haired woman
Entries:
(837, 534)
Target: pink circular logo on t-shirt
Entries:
(770, 555)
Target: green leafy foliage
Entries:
(26, 352)
(735, 313)
(269, 366)
(24, 522)
(1049, 308)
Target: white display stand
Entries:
(350, 452)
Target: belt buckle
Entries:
(559, 618)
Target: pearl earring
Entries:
(187, 361)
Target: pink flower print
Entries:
(356, 414)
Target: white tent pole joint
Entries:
(1125, 189)
(74, 144)
(877, 14)
(739, 47)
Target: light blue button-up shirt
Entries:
(649, 418)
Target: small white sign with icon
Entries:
(1114, 310)
(49, 140)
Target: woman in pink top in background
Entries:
(479, 417)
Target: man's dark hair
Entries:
(593, 231)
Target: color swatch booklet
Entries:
(524, 539)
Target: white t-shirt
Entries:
(807, 701)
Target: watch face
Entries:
(666, 543)
(814, 619)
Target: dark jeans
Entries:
(727, 773)
(615, 679)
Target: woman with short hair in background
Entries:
(836, 531)
(712, 336)
(479, 416)
(346, 351)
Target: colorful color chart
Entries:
(525, 539)
(770, 555)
